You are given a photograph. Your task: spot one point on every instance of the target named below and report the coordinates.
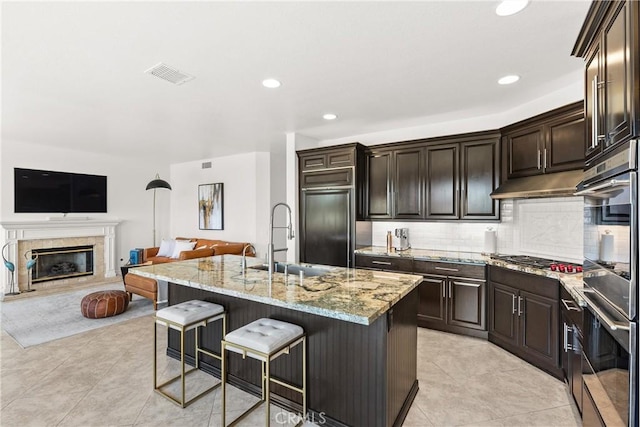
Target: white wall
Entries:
(470, 121)
(127, 178)
(247, 188)
(546, 227)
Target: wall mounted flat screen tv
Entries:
(40, 191)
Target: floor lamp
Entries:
(153, 185)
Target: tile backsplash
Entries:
(546, 227)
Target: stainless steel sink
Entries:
(294, 269)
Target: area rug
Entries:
(36, 320)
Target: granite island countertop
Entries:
(571, 282)
(353, 295)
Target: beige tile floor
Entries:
(104, 378)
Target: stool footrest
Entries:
(188, 402)
(247, 412)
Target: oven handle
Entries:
(611, 184)
(601, 315)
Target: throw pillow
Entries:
(166, 247)
(182, 245)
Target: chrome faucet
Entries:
(243, 263)
(271, 250)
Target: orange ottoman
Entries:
(104, 304)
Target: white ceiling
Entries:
(73, 73)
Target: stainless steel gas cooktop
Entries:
(542, 263)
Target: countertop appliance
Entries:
(402, 239)
(610, 190)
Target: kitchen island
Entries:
(360, 324)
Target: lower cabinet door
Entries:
(503, 321)
(466, 303)
(539, 327)
(575, 357)
(432, 300)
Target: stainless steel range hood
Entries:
(557, 184)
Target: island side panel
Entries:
(348, 368)
(402, 342)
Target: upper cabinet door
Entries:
(408, 183)
(564, 148)
(480, 176)
(592, 105)
(618, 73)
(379, 185)
(524, 148)
(442, 182)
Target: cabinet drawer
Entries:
(385, 263)
(332, 177)
(571, 308)
(340, 159)
(449, 269)
(311, 162)
(539, 285)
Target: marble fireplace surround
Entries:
(38, 234)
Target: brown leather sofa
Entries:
(202, 248)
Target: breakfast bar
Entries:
(360, 324)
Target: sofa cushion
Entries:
(166, 247)
(181, 245)
(229, 248)
(159, 259)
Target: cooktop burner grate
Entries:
(526, 260)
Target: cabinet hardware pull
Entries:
(520, 309)
(539, 162)
(450, 294)
(425, 279)
(594, 112)
(544, 163)
(603, 317)
(566, 303)
(381, 262)
(569, 339)
(612, 183)
(472, 285)
(513, 304)
(446, 269)
(566, 339)
(444, 292)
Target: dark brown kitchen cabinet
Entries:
(450, 303)
(443, 185)
(480, 175)
(609, 41)
(571, 340)
(390, 263)
(408, 183)
(547, 143)
(326, 159)
(396, 184)
(460, 178)
(379, 185)
(524, 316)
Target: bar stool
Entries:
(265, 340)
(184, 317)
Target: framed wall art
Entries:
(210, 206)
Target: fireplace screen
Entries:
(61, 263)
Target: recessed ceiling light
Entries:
(329, 116)
(271, 83)
(511, 7)
(507, 80)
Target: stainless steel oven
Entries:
(610, 272)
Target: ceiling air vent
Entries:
(206, 165)
(170, 74)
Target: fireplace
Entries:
(61, 263)
(25, 237)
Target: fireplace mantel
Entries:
(57, 228)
